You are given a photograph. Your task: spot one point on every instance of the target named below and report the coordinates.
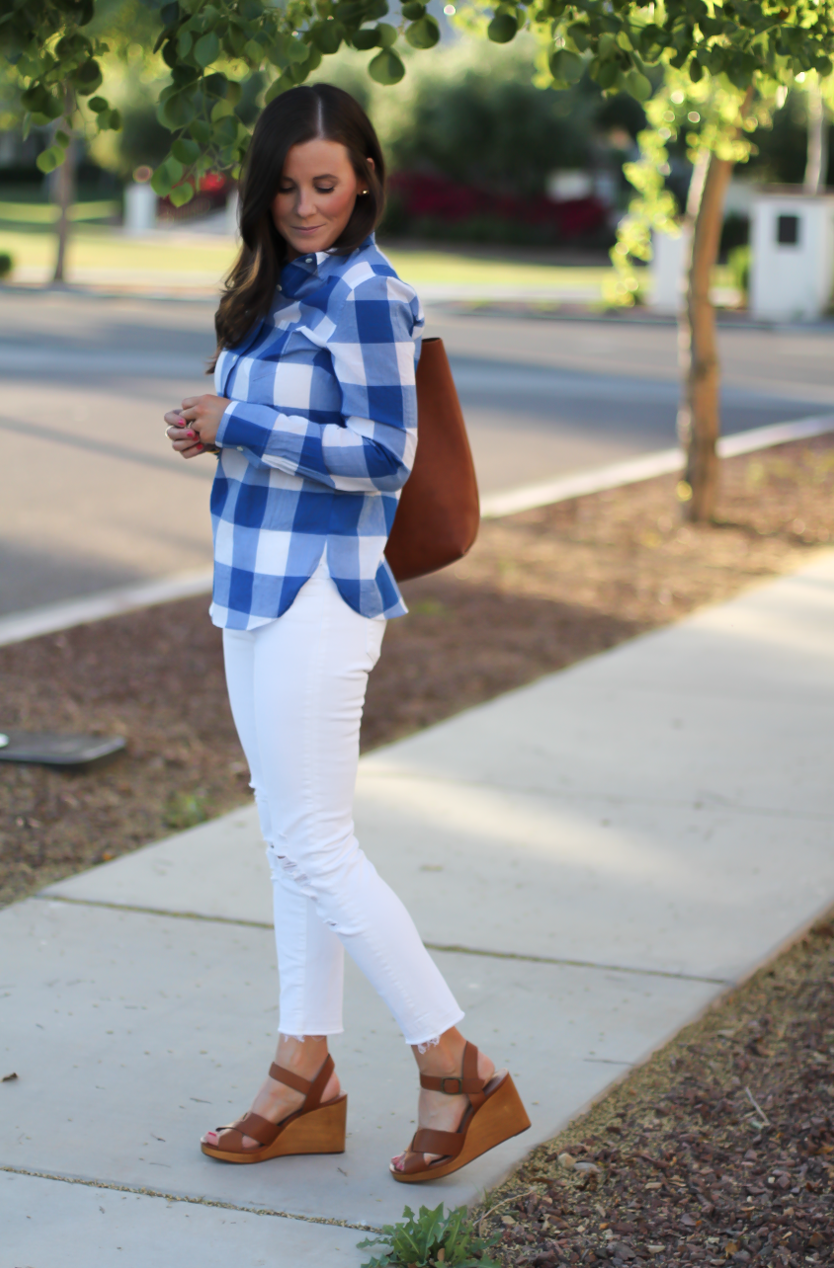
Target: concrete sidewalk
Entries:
(593, 859)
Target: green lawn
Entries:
(101, 249)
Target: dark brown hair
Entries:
(299, 115)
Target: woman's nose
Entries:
(305, 203)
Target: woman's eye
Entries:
(321, 189)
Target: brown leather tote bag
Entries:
(438, 514)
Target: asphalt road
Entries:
(92, 497)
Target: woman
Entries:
(314, 424)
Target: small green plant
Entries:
(185, 810)
(6, 264)
(431, 1239)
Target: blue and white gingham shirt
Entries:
(318, 440)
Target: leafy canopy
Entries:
(209, 46)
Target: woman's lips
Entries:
(307, 228)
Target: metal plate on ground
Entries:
(46, 749)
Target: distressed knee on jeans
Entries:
(281, 863)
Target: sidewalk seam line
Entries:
(451, 948)
(142, 1191)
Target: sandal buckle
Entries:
(451, 1091)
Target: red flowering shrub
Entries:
(433, 206)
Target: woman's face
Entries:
(316, 196)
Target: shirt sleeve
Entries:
(373, 347)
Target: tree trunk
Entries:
(699, 420)
(816, 169)
(65, 193)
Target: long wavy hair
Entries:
(306, 113)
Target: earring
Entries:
(364, 191)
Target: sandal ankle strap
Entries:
(312, 1090)
(466, 1082)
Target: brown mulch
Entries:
(720, 1150)
(539, 591)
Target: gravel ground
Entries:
(539, 591)
(720, 1150)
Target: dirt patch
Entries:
(720, 1150)
(539, 591)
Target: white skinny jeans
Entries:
(297, 688)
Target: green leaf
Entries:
(297, 50)
(365, 39)
(237, 38)
(254, 51)
(72, 46)
(221, 110)
(637, 84)
(424, 33)
(200, 131)
(35, 99)
(225, 131)
(169, 14)
(182, 194)
(185, 43)
(62, 138)
(387, 35)
(176, 111)
(166, 176)
(111, 120)
(87, 78)
(98, 104)
(206, 49)
(297, 72)
(49, 159)
(327, 36)
(579, 34)
(502, 28)
(605, 73)
(566, 67)
(413, 10)
(386, 67)
(185, 151)
(233, 91)
(279, 85)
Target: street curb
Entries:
(53, 618)
(633, 470)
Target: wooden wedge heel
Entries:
(495, 1113)
(317, 1128)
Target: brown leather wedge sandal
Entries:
(316, 1128)
(495, 1114)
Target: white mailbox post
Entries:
(140, 209)
(792, 256)
(668, 266)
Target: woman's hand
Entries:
(193, 428)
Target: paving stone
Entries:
(83, 1226)
(131, 1034)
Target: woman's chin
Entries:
(317, 241)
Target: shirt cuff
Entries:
(221, 439)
